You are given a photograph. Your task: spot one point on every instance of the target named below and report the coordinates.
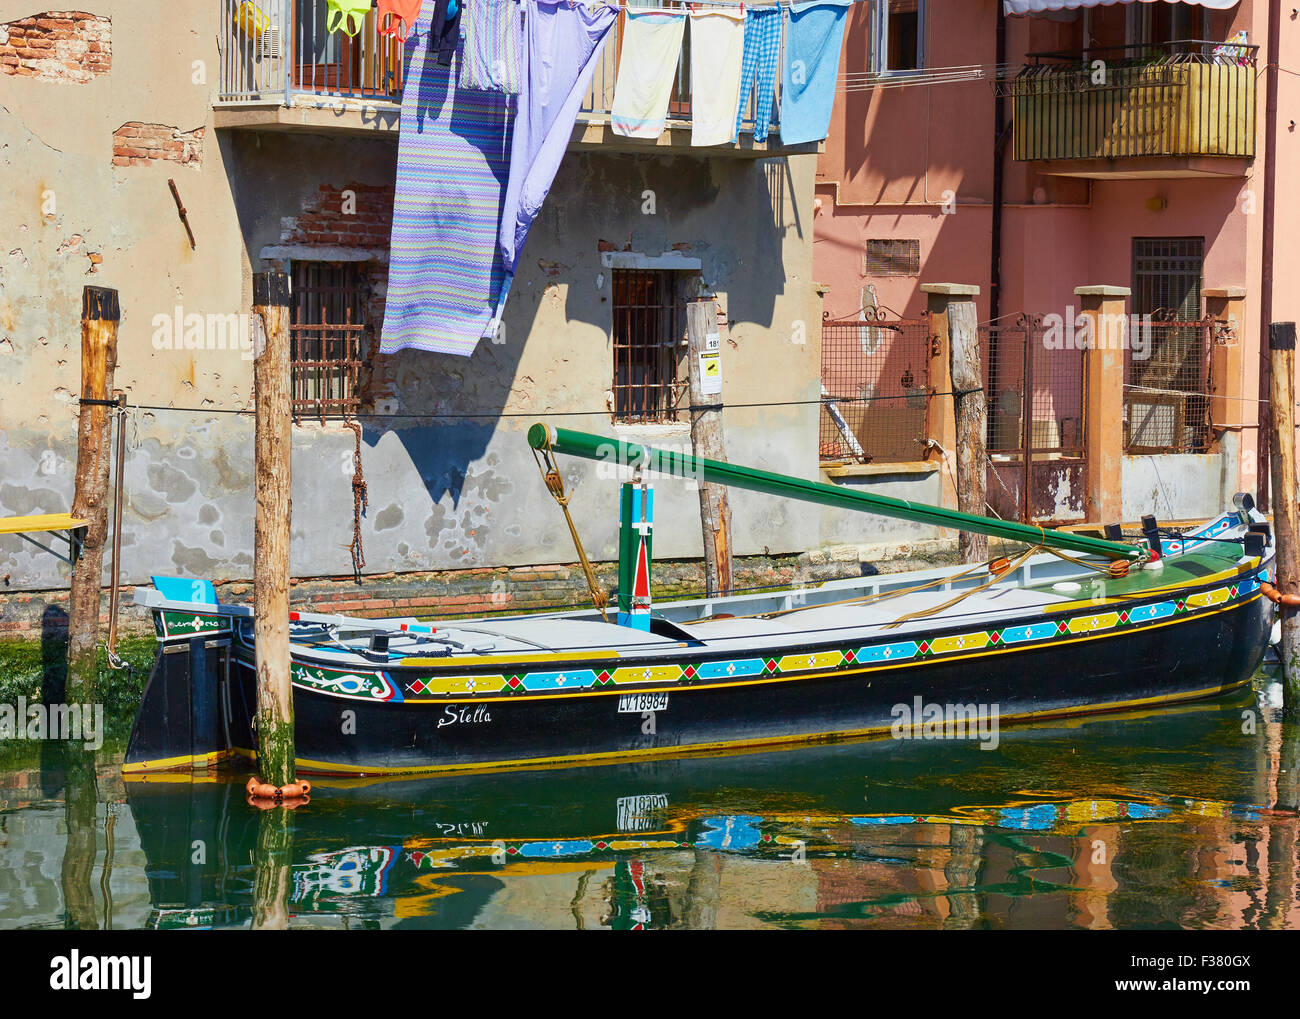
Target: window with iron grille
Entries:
(1167, 363)
(649, 345)
(327, 323)
(889, 257)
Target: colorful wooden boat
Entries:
(943, 653)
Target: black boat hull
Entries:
(1212, 639)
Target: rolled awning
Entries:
(1046, 6)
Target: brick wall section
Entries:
(458, 592)
(70, 47)
(137, 144)
(323, 222)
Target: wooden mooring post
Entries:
(704, 356)
(100, 314)
(956, 303)
(1286, 515)
(271, 527)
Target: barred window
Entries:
(327, 321)
(649, 345)
(1166, 399)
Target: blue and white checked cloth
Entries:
(758, 66)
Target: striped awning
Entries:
(1046, 6)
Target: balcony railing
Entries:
(275, 50)
(1186, 98)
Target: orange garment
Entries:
(398, 17)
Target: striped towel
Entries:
(445, 279)
(491, 47)
(717, 44)
(652, 44)
(758, 70)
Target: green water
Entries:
(1180, 818)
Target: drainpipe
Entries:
(1262, 468)
(999, 144)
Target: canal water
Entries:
(1184, 817)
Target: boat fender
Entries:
(1277, 597)
(301, 801)
(258, 790)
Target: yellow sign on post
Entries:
(711, 374)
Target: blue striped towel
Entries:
(445, 280)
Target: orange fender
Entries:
(1277, 597)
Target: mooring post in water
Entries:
(272, 867)
(970, 409)
(275, 739)
(1103, 366)
(704, 363)
(1286, 515)
(100, 314)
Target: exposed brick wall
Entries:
(452, 593)
(324, 223)
(137, 144)
(63, 46)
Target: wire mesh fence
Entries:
(876, 389)
(1167, 385)
(1036, 418)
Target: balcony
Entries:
(1180, 109)
(282, 71)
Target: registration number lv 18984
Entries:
(637, 702)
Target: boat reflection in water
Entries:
(1179, 818)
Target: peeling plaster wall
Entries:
(69, 217)
(1180, 486)
(445, 490)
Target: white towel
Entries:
(717, 45)
(652, 45)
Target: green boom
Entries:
(596, 447)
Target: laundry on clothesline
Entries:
(445, 277)
(444, 29)
(717, 45)
(398, 17)
(814, 35)
(652, 45)
(493, 40)
(353, 12)
(758, 67)
(564, 44)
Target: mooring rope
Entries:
(360, 503)
(555, 485)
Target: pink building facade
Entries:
(1131, 155)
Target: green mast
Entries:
(617, 451)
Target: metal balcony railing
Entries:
(1190, 97)
(274, 50)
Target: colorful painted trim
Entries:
(854, 658)
(363, 686)
(187, 624)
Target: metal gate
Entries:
(875, 388)
(1035, 390)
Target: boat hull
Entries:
(1166, 648)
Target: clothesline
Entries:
(683, 5)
